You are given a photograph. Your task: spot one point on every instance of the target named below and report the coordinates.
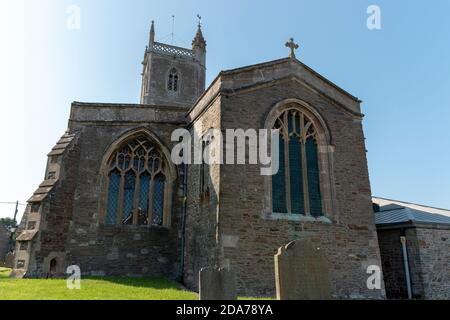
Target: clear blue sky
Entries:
(401, 72)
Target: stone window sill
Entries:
(132, 227)
(297, 217)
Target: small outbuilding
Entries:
(414, 245)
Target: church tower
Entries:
(173, 76)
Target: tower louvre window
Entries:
(173, 80)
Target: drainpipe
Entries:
(183, 223)
(406, 266)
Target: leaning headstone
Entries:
(217, 284)
(301, 272)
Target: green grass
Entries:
(92, 288)
(95, 288)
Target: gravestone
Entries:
(301, 272)
(9, 260)
(217, 284)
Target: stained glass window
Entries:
(278, 183)
(136, 184)
(296, 186)
(158, 200)
(113, 197)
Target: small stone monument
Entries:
(217, 284)
(301, 272)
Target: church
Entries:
(114, 204)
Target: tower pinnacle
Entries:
(152, 34)
(199, 42)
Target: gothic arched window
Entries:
(137, 184)
(173, 80)
(296, 186)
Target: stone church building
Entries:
(113, 202)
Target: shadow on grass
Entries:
(155, 283)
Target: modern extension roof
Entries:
(398, 212)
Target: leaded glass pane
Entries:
(144, 193)
(296, 177)
(278, 183)
(290, 122)
(158, 200)
(128, 198)
(315, 199)
(113, 198)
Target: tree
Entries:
(7, 222)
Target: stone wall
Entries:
(202, 208)
(349, 240)
(191, 81)
(433, 245)
(428, 260)
(70, 228)
(414, 262)
(392, 262)
(52, 218)
(248, 234)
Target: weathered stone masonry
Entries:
(228, 222)
(247, 235)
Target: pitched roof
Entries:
(396, 212)
(27, 235)
(288, 59)
(243, 78)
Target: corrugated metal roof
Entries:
(392, 213)
(383, 202)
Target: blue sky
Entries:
(401, 72)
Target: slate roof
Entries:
(397, 212)
(26, 235)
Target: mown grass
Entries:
(95, 288)
(92, 288)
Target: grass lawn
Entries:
(92, 288)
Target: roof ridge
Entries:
(413, 203)
(288, 59)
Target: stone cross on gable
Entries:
(293, 46)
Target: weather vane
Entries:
(173, 28)
(199, 20)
